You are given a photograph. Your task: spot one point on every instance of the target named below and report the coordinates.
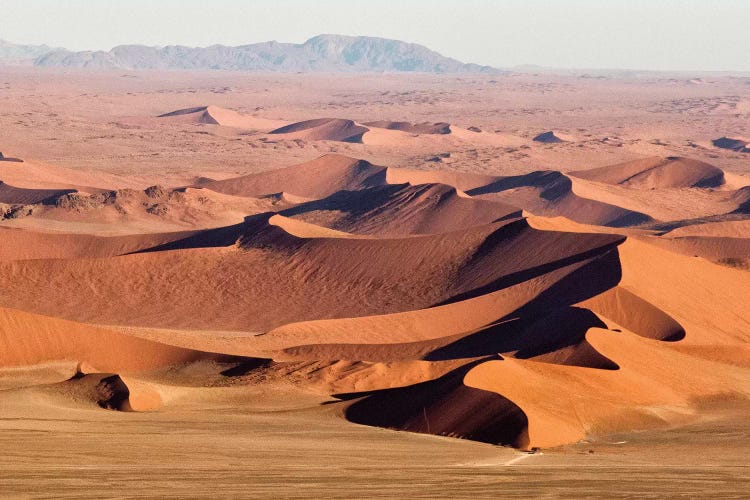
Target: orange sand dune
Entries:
(604, 401)
(20, 244)
(214, 115)
(402, 209)
(315, 179)
(731, 251)
(437, 326)
(460, 180)
(677, 205)
(549, 193)
(433, 136)
(324, 129)
(412, 128)
(128, 211)
(36, 175)
(596, 401)
(656, 172)
(724, 229)
(20, 196)
(30, 339)
(298, 278)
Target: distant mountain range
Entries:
(323, 53)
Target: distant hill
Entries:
(11, 53)
(323, 53)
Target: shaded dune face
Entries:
(186, 111)
(548, 137)
(730, 143)
(444, 407)
(21, 196)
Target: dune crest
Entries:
(214, 115)
(657, 173)
(324, 129)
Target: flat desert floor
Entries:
(269, 285)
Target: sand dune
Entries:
(22, 244)
(30, 339)
(37, 175)
(129, 211)
(657, 173)
(362, 276)
(20, 196)
(413, 128)
(725, 229)
(214, 115)
(324, 129)
(550, 194)
(402, 209)
(315, 179)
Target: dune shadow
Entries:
(218, 237)
(444, 406)
(531, 337)
(602, 273)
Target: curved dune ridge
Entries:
(657, 173)
(324, 129)
(314, 179)
(546, 193)
(402, 209)
(425, 301)
(214, 115)
(440, 128)
(21, 196)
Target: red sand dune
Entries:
(21, 196)
(22, 244)
(324, 129)
(359, 276)
(657, 173)
(413, 128)
(214, 115)
(314, 179)
(401, 209)
(29, 339)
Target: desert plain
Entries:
(302, 285)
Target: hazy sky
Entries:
(639, 34)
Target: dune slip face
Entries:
(238, 270)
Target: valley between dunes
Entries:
(355, 316)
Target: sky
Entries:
(668, 35)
